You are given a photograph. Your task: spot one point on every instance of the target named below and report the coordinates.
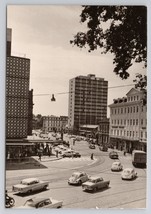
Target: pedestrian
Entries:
(40, 156)
(92, 156)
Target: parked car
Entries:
(128, 174)
(29, 185)
(70, 154)
(78, 178)
(117, 166)
(42, 203)
(92, 146)
(94, 183)
(113, 155)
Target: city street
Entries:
(120, 194)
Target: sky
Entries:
(42, 33)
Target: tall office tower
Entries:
(17, 94)
(87, 101)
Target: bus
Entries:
(139, 158)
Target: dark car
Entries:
(103, 148)
(92, 146)
(113, 155)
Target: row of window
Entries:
(129, 122)
(133, 98)
(143, 134)
(132, 109)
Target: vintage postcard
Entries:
(76, 106)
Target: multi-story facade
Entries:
(128, 122)
(17, 94)
(54, 123)
(87, 101)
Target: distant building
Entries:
(87, 101)
(103, 134)
(54, 123)
(128, 122)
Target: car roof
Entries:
(116, 162)
(37, 200)
(78, 173)
(128, 169)
(95, 177)
(30, 179)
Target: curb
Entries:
(48, 160)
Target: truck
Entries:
(139, 158)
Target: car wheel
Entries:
(107, 186)
(95, 189)
(29, 191)
(45, 187)
(80, 182)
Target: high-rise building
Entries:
(87, 101)
(128, 122)
(17, 94)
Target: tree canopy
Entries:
(124, 34)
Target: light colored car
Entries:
(78, 178)
(95, 183)
(70, 154)
(30, 185)
(116, 166)
(128, 174)
(41, 203)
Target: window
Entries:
(121, 122)
(133, 133)
(141, 134)
(115, 111)
(130, 133)
(121, 133)
(128, 110)
(127, 133)
(133, 121)
(137, 109)
(136, 122)
(134, 109)
(117, 132)
(131, 109)
(141, 121)
(121, 110)
(128, 122)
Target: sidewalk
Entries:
(31, 163)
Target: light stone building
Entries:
(128, 122)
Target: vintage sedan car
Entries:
(103, 148)
(113, 155)
(94, 183)
(70, 154)
(78, 178)
(116, 166)
(92, 146)
(30, 185)
(41, 203)
(128, 174)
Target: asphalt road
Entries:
(120, 194)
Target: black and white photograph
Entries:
(76, 107)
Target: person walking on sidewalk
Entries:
(92, 156)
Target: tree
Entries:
(141, 84)
(124, 34)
